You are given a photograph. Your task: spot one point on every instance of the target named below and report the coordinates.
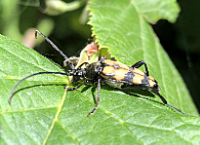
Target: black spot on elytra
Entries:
(129, 77)
(117, 67)
(145, 81)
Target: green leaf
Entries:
(43, 113)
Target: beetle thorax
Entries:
(93, 70)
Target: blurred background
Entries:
(65, 23)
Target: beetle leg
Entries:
(161, 97)
(84, 63)
(165, 102)
(73, 59)
(176, 108)
(75, 88)
(139, 64)
(103, 58)
(98, 99)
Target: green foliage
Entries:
(42, 112)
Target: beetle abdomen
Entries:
(114, 72)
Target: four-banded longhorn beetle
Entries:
(112, 73)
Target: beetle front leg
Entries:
(75, 88)
(98, 99)
(139, 64)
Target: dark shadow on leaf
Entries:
(145, 94)
(92, 91)
(86, 87)
(135, 92)
(132, 92)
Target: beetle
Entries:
(104, 71)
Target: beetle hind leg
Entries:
(139, 64)
(161, 97)
(176, 108)
(165, 102)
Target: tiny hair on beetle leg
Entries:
(105, 71)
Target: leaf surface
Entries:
(42, 112)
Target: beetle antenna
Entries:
(55, 47)
(12, 92)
